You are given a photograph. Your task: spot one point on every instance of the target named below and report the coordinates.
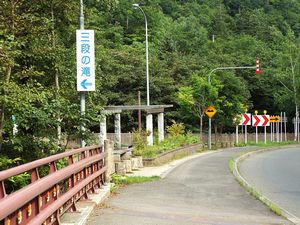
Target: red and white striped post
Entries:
(257, 71)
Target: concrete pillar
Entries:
(118, 130)
(103, 131)
(149, 127)
(109, 160)
(161, 128)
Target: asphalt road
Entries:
(276, 174)
(201, 191)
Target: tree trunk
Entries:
(2, 113)
(56, 77)
(7, 75)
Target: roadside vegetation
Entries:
(177, 137)
(120, 181)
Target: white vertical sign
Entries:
(85, 50)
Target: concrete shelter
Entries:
(117, 110)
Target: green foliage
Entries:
(176, 129)
(6, 163)
(119, 180)
(16, 182)
(126, 180)
(169, 143)
(139, 141)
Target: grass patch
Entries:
(166, 145)
(271, 143)
(120, 180)
(231, 165)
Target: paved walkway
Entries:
(201, 191)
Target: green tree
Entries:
(197, 96)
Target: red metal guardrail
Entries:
(45, 199)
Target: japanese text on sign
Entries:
(85, 60)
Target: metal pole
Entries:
(271, 131)
(298, 127)
(237, 134)
(139, 112)
(209, 133)
(147, 63)
(256, 135)
(82, 93)
(265, 135)
(229, 68)
(246, 140)
(296, 124)
(277, 133)
(285, 121)
(281, 126)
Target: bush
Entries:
(175, 129)
(139, 141)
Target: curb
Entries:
(86, 207)
(283, 212)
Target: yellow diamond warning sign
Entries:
(210, 111)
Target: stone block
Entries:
(134, 163)
(117, 158)
(127, 165)
(140, 161)
(120, 168)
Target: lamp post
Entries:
(137, 6)
(149, 119)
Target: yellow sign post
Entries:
(210, 111)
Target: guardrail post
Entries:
(35, 175)
(52, 167)
(70, 160)
(2, 190)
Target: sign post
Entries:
(246, 120)
(271, 130)
(265, 128)
(281, 126)
(260, 120)
(236, 122)
(85, 50)
(210, 111)
(256, 135)
(285, 121)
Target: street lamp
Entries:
(149, 118)
(137, 6)
(209, 81)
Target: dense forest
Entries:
(187, 40)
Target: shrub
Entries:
(139, 141)
(175, 129)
